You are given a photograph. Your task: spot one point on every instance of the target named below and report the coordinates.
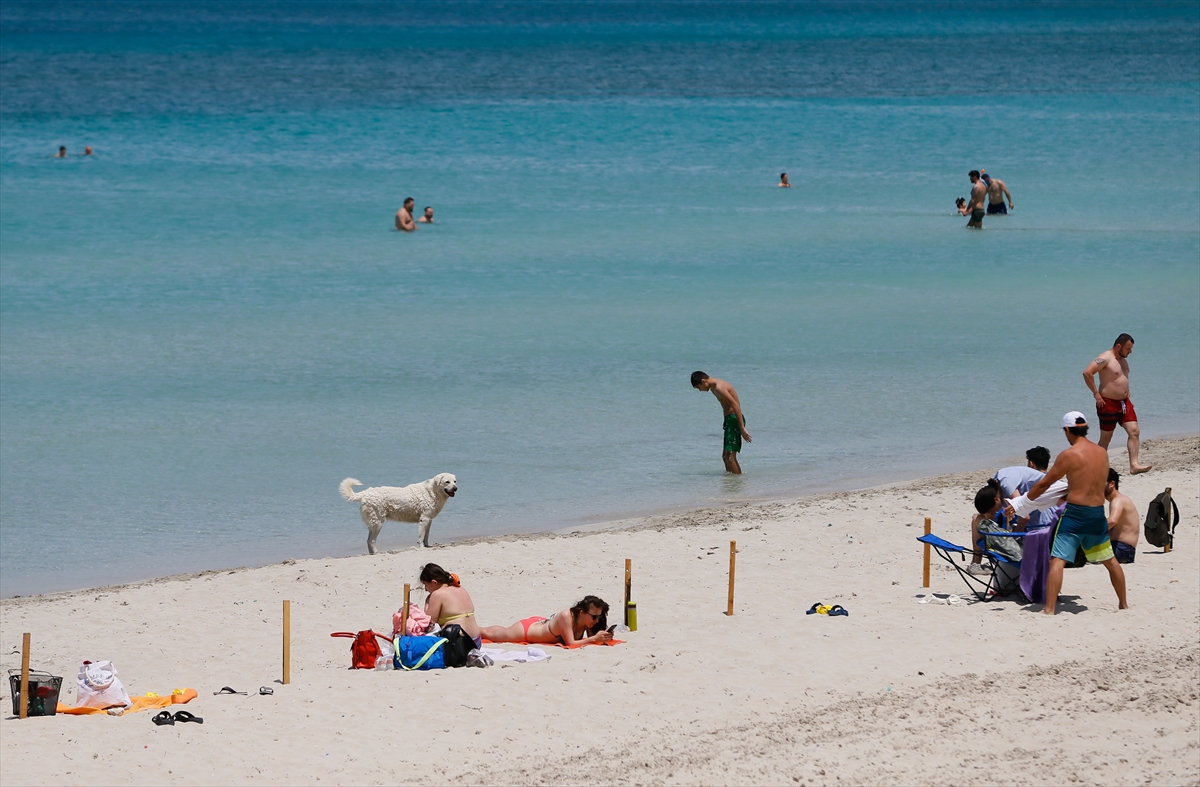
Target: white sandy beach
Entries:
(896, 693)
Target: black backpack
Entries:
(1160, 529)
(458, 645)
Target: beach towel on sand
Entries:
(138, 703)
(530, 654)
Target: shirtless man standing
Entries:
(734, 424)
(1122, 520)
(1083, 525)
(1112, 399)
(404, 219)
(996, 192)
(974, 206)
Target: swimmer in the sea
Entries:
(427, 216)
(404, 219)
(585, 622)
(783, 181)
(996, 192)
(87, 151)
(62, 151)
(974, 208)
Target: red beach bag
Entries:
(364, 650)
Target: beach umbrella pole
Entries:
(925, 582)
(732, 566)
(1170, 530)
(404, 613)
(287, 642)
(24, 712)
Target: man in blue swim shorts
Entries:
(1083, 525)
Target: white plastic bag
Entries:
(99, 686)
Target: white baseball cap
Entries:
(1074, 418)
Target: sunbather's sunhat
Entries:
(1074, 418)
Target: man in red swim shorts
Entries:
(1113, 404)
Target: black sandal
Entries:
(227, 690)
(264, 690)
(183, 715)
(163, 718)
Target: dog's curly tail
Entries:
(347, 489)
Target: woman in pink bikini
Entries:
(585, 622)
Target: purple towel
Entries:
(1035, 564)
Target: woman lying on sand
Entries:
(569, 627)
(447, 601)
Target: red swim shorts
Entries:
(1115, 411)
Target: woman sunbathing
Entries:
(448, 602)
(585, 622)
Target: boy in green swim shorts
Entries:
(734, 424)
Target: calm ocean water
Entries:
(208, 324)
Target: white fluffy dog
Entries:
(418, 503)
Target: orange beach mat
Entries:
(139, 703)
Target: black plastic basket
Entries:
(43, 692)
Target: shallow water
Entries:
(210, 323)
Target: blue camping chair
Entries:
(1003, 572)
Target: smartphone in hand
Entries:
(612, 628)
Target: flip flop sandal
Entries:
(814, 609)
(163, 718)
(227, 690)
(837, 610)
(182, 716)
(265, 690)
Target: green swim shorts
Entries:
(1082, 527)
(733, 434)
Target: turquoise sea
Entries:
(209, 323)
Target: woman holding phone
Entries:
(585, 623)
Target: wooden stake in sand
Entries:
(404, 614)
(628, 587)
(1167, 511)
(732, 561)
(287, 642)
(24, 712)
(928, 524)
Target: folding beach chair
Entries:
(1003, 574)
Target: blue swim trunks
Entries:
(1082, 527)
(1124, 552)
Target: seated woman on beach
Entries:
(585, 622)
(447, 601)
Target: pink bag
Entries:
(418, 621)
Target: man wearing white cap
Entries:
(1082, 525)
